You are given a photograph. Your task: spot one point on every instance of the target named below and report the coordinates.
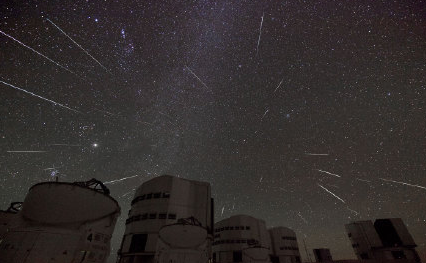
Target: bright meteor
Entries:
(204, 84)
(412, 185)
(330, 192)
(121, 179)
(38, 96)
(78, 45)
(328, 173)
(38, 53)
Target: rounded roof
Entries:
(59, 203)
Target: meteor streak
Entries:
(63, 144)
(353, 211)
(260, 33)
(78, 45)
(38, 96)
(304, 220)
(412, 185)
(264, 114)
(317, 154)
(223, 208)
(35, 51)
(363, 180)
(328, 191)
(26, 151)
(279, 85)
(121, 179)
(197, 78)
(328, 173)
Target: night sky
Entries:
(307, 114)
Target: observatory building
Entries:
(62, 222)
(386, 240)
(171, 220)
(284, 245)
(241, 238)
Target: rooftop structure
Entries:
(284, 245)
(62, 222)
(153, 223)
(241, 238)
(387, 239)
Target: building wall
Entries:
(284, 245)
(7, 220)
(363, 237)
(159, 202)
(322, 255)
(235, 236)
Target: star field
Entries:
(306, 114)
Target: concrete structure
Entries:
(158, 203)
(387, 239)
(284, 245)
(62, 222)
(184, 241)
(241, 238)
(364, 239)
(8, 218)
(322, 255)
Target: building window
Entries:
(247, 228)
(152, 216)
(238, 228)
(138, 243)
(157, 195)
(148, 196)
(227, 228)
(162, 216)
(231, 228)
(172, 216)
(237, 256)
(166, 195)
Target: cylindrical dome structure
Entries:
(241, 238)
(183, 242)
(159, 202)
(62, 222)
(284, 245)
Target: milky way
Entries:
(272, 102)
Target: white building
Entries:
(62, 222)
(158, 203)
(284, 245)
(364, 239)
(241, 238)
(386, 240)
